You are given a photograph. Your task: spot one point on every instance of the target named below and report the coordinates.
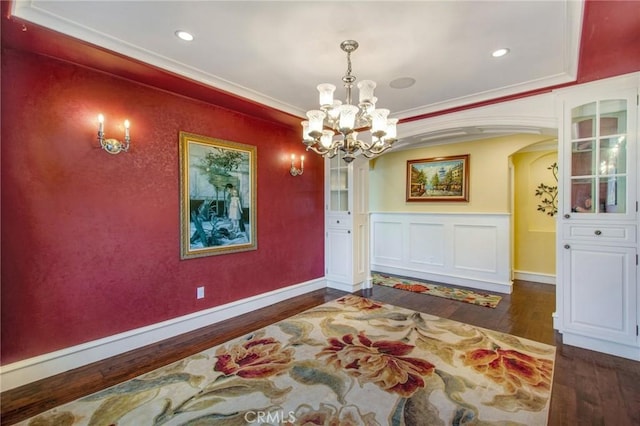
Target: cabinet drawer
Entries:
(339, 221)
(608, 233)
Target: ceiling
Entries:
(274, 53)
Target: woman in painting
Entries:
(235, 208)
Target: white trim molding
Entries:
(530, 115)
(536, 277)
(623, 350)
(32, 369)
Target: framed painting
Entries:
(438, 179)
(217, 196)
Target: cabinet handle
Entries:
(567, 216)
(348, 212)
(349, 231)
(598, 232)
(337, 221)
(567, 246)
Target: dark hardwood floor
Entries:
(589, 388)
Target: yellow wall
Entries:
(534, 231)
(488, 176)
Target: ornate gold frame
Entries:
(218, 210)
(447, 179)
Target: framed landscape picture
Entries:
(438, 179)
(217, 196)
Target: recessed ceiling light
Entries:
(402, 82)
(500, 52)
(183, 35)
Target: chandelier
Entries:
(348, 120)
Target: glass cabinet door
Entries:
(598, 175)
(338, 184)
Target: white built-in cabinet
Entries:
(347, 223)
(598, 302)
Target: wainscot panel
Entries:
(470, 249)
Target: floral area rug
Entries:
(351, 361)
(468, 296)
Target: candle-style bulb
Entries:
(100, 122)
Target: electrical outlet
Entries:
(200, 293)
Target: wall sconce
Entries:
(293, 170)
(113, 146)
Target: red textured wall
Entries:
(610, 42)
(90, 241)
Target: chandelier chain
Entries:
(345, 78)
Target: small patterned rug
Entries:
(467, 296)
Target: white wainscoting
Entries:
(29, 370)
(470, 249)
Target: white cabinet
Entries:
(347, 223)
(597, 296)
(600, 292)
(339, 258)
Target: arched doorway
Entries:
(533, 201)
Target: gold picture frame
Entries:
(218, 210)
(438, 179)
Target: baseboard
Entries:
(29, 370)
(556, 321)
(595, 344)
(535, 277)
(349, 288)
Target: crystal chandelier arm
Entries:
(321, 151)
(330, 153)
(379, 150)
(374, 148)
(372, 152)
(379, 144)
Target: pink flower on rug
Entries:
(382, 363)
(359, 302)
(255, 358)
(511, 369)
(416, 288)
